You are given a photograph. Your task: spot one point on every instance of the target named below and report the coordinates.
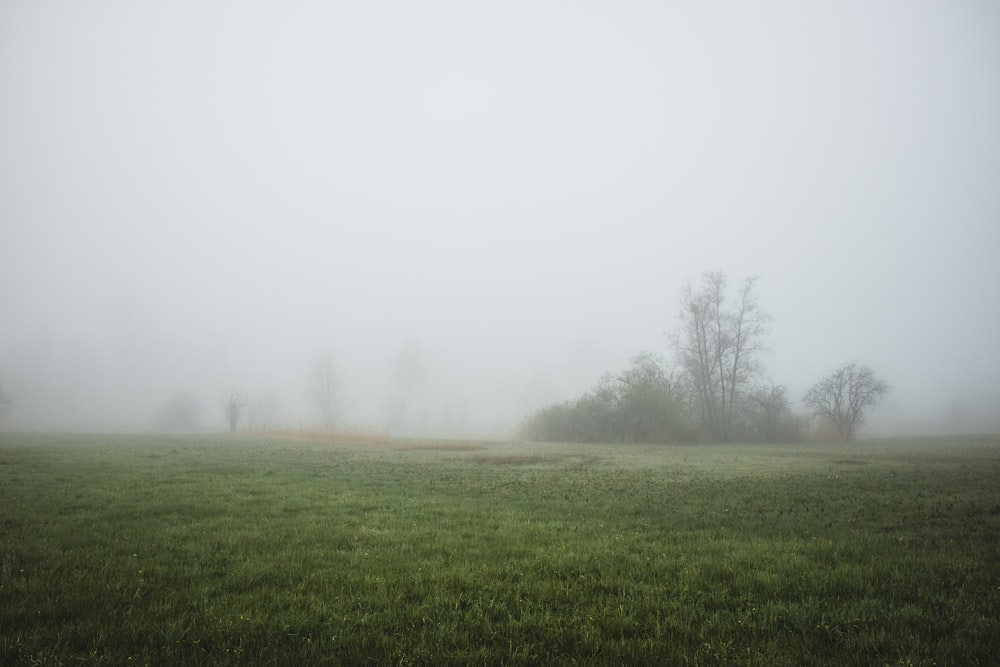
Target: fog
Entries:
(476, 209)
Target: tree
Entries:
(648, 408)
(843, 397)
(323, 391)
(555, 423)
(768, 416)
(597, 415)
(638, 405)
(718, 349)
(232, 407)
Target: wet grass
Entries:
(211, 550)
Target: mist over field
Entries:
(472, 212)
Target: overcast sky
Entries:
(196, 196)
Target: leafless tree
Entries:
(233, 406)
(323, 391)
(718, 349)
(843, 397)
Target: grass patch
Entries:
(512, 459)
(192, 550)
(446, 446)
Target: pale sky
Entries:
(197, 196)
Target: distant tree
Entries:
(648, 403)
(843, 397)
(638, 405)
(233, 406)
(323, 391)
(555, 423)
(768, 416)
(598, 418)
(718, 350)
(181, 412)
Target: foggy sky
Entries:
(199, 196)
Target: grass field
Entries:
(134, 550)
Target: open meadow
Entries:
(191, 550)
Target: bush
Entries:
(639, 405)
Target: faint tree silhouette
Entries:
(843, 397)
(233, 406)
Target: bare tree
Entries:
(323, 391)
(843, 397)
(233, 406)
(718, 349)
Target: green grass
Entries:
(126, 550)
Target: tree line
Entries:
(715, 390)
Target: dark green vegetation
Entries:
(640, 405)
(715, 390)
(139, 550)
